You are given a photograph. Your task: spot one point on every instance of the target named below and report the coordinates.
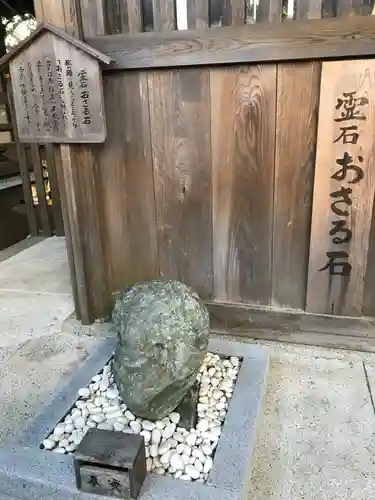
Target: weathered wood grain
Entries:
(24, 169)
(164, 15)
(93, 17)
(234, 12)
(308, 9)
(243, 107)
(286, 326)
(314, 39)
(180, 131)
(55, 192)
(123, 16)
(198, 12)
(270, 11)
(40, 190)
(327, 292)
(296, 127)
(127, 183)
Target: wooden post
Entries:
(77, 177)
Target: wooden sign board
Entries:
(343, 189)
(57, 89)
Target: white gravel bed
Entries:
(170, 450)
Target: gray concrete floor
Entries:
(316, 436)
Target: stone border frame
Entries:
(30, 473)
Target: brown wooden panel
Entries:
(344, 188)
(270, 11)
(123, 16)
(234, 12)
(180, 130)
(40, 189)
(313, 39)
(198, 13)
(285, 326)
(93, 17)
(297, 106)
(24, 170)
(243, 104)
(308, 9)
(348, 7)
(164, 14)
(55, 192)
(125, 168)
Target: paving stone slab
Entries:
(28, 473)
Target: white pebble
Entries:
(169, 430)
(178, 474)
(91, 424)
(207, 465)
(157, 462)
(84, 392)
(149, 464)
(235, 361)
(198, 465)
(63, 443)
(81, 404)
(215, 382)
(147, 425)
(104, 383)
(165, 457)
(191, 460)
(114, 414)
(59, 429)
(221, 406)
(185, 459)
(207, 449)
(96, 378)
(175, 417)
(79, 423)
(198, 453)
(192, 472)
(105, 426)
(135, 426)
(160, 425)
(191, 439)
(154, 450)
(69, 428)
(159, 470)
(48, 444)
(202, 425)
(99, 418)
(59, 450)
(176, 461)
(99, 401)
(122, 420)
(71, 447)
(180, 448)
(164, 447)
(156, 436)
(185, 477)
(146, 435)
(129, 415)
(178, 437)
(96, 410)
(112, 393)
(118, 426)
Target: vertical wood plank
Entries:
(127, 183)
(164, 13)
(123, 16)
(55, 192)
(24, 171)
(343, 200)
(269, 11)
(180, 125)
(198, 14)
(296, 128)
(308, 9)
(234, 12)
(243, 107)
(92, 14)
(40, 190)
(348, 7)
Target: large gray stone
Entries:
(162, 329)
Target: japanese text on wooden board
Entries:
(350, 110)
(57, 92)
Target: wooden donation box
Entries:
(110, 463)
(57, 88)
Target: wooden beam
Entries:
(305, 40)
(297, 327)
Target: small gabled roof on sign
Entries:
(41, 28)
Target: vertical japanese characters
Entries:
(54, 95)
(350, 111)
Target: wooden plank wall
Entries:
(207, 174)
